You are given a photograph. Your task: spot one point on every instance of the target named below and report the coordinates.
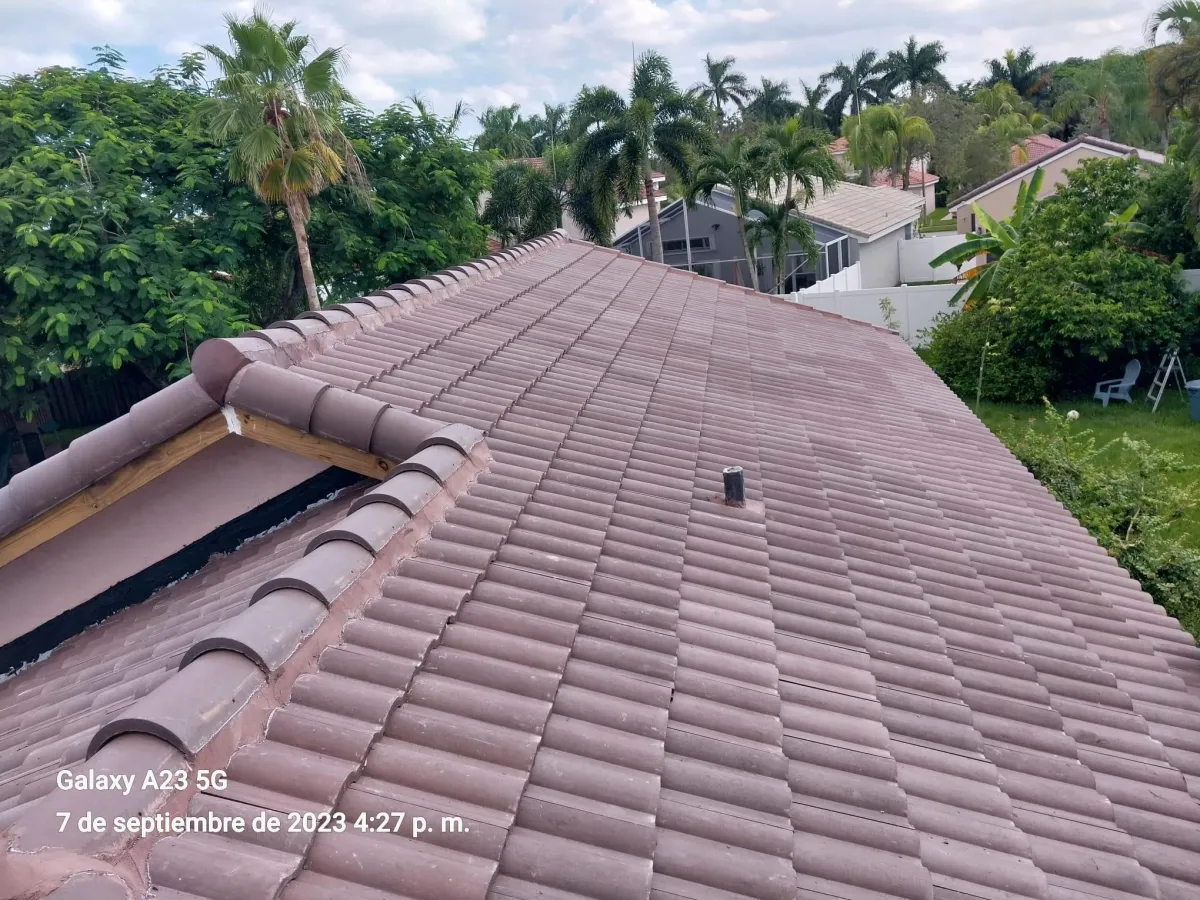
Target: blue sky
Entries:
(533, 51)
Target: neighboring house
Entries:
(999, 195)
(545, 658)
(717, 246)
(853, 224)
(921, 182)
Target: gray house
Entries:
(852, 224)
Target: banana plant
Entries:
(996, 246)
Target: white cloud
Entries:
(534, 51)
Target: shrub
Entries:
(1123, 492)
(1166, 211)
(1077, 302)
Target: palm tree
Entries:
(523, 204)
(1019, 68)
(504, 131)
(795, 155)
(918, 66)
(1182, 18)
(738, 167)
(997, 246)
(772, 102)
(280, 105)
(656, 123)
(811, 113)
(1009, 116)
(1095, 87)
(722, 85)
(778, 225)
(869, 147)
(591, 108)
(548, 129)
(903, 135)
(864, 83)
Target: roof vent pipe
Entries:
(735, 486)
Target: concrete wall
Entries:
(916, 254)
(881, 260)
(999, 203)
(916, 307)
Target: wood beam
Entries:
(263, 430)
(170, 453)
(112, 487)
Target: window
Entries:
(680, 246)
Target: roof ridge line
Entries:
(290, 341)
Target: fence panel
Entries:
(916, 307)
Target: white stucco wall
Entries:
(880, 260)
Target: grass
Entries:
(1168, 429)
(937, 221)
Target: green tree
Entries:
(992, 253)
(503, 130)
(918, 66)
(738, 167)
(1181, 18)
(869, 147)
(1170, 222)
(117, 226)
(1073, 297)
(963, 156)
(656, 123)
(523, 203)
(550, 128)
(1018, 68)
(798, 156)
(722, 85)
(281, 106)
(772, 102)
(1095, 89)
(427, 186)
(812, 112)
(778, 226)
(862, 83)
(905, 137)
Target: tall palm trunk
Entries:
(656, 253)
(298, 214)
(787, 193)
(750, 262)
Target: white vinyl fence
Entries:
(915, 306)
(849, 279)
(916, 254)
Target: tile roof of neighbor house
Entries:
(840, 145)
(915, 178)
(865, 212)
(1106, 148)
(1033, 148)
(901, 670)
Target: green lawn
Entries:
(937, 221)
(1168, 429)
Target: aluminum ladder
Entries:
(1169, 366)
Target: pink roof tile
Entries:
(901, 669)
(1035, 147)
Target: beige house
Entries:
(999, 196)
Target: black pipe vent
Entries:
(735, 486)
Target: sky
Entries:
(492, 52)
